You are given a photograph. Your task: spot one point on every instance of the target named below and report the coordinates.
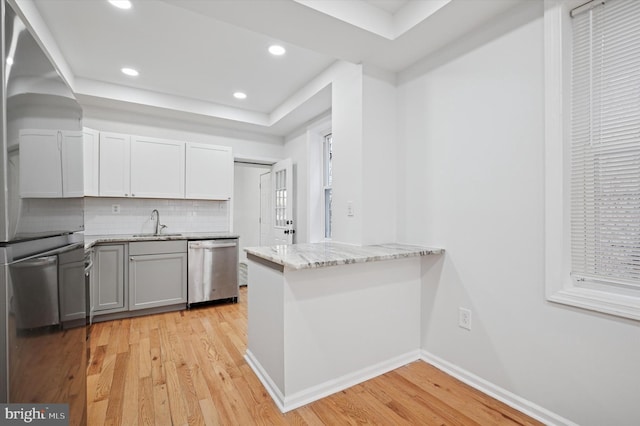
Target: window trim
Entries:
(559, 287)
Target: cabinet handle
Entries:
(131, 259)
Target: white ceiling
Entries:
(199, 52)
(389, 6)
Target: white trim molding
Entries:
(512, 400)
(329, 387)
(269, 385)
(559, 286)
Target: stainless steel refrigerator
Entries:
(43, 298)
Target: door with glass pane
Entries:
(282, 197)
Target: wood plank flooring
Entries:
(187, 368)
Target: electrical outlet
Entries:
(115, 208)
(464, 318)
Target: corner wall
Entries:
(364, 158)
(346, 95)
(472, 182)
(379, 152)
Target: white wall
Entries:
(364, 156)
(472, 145)
(246, 204)
(379, 151)
(347, 118)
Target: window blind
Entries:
(605, 144)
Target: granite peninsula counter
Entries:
(318, 255)
(326, 316)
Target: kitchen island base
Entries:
(315, 331)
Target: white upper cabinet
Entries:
(157, 168)
(40, 164)
(119, 165)
(51, 164)
(91, 154)
(209, 173)
(114, 165)
(72, 164)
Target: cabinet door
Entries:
(92, 280)
(109, 274)
(114, 165)
(72, 164)
(157, 168)
(91, 161)
(40, 163)
(209, 173)
(71, 291)
(157, 280)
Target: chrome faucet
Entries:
(159, 227)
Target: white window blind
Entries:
(605, 144)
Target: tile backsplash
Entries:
(110, 216)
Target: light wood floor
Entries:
(188, 368)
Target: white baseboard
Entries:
(266, 381)
(329, 387)
(525, 406)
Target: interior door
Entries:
(282, 202)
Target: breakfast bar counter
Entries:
(326, 316)
(319, 255)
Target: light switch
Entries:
(350, 208)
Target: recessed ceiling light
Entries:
(277, 50)
(9, 60)
(130, 72)
(240, 95)
(121, 4)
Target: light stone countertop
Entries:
(319, 255)
(91, 240)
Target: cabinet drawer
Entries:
(157, 247)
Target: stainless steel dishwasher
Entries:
(213, 270)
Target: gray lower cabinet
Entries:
(138, 275)
(108, 279)
(157, 274)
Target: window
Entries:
(327, 157)
(281, 198)
(605, 144)
(593, 158)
